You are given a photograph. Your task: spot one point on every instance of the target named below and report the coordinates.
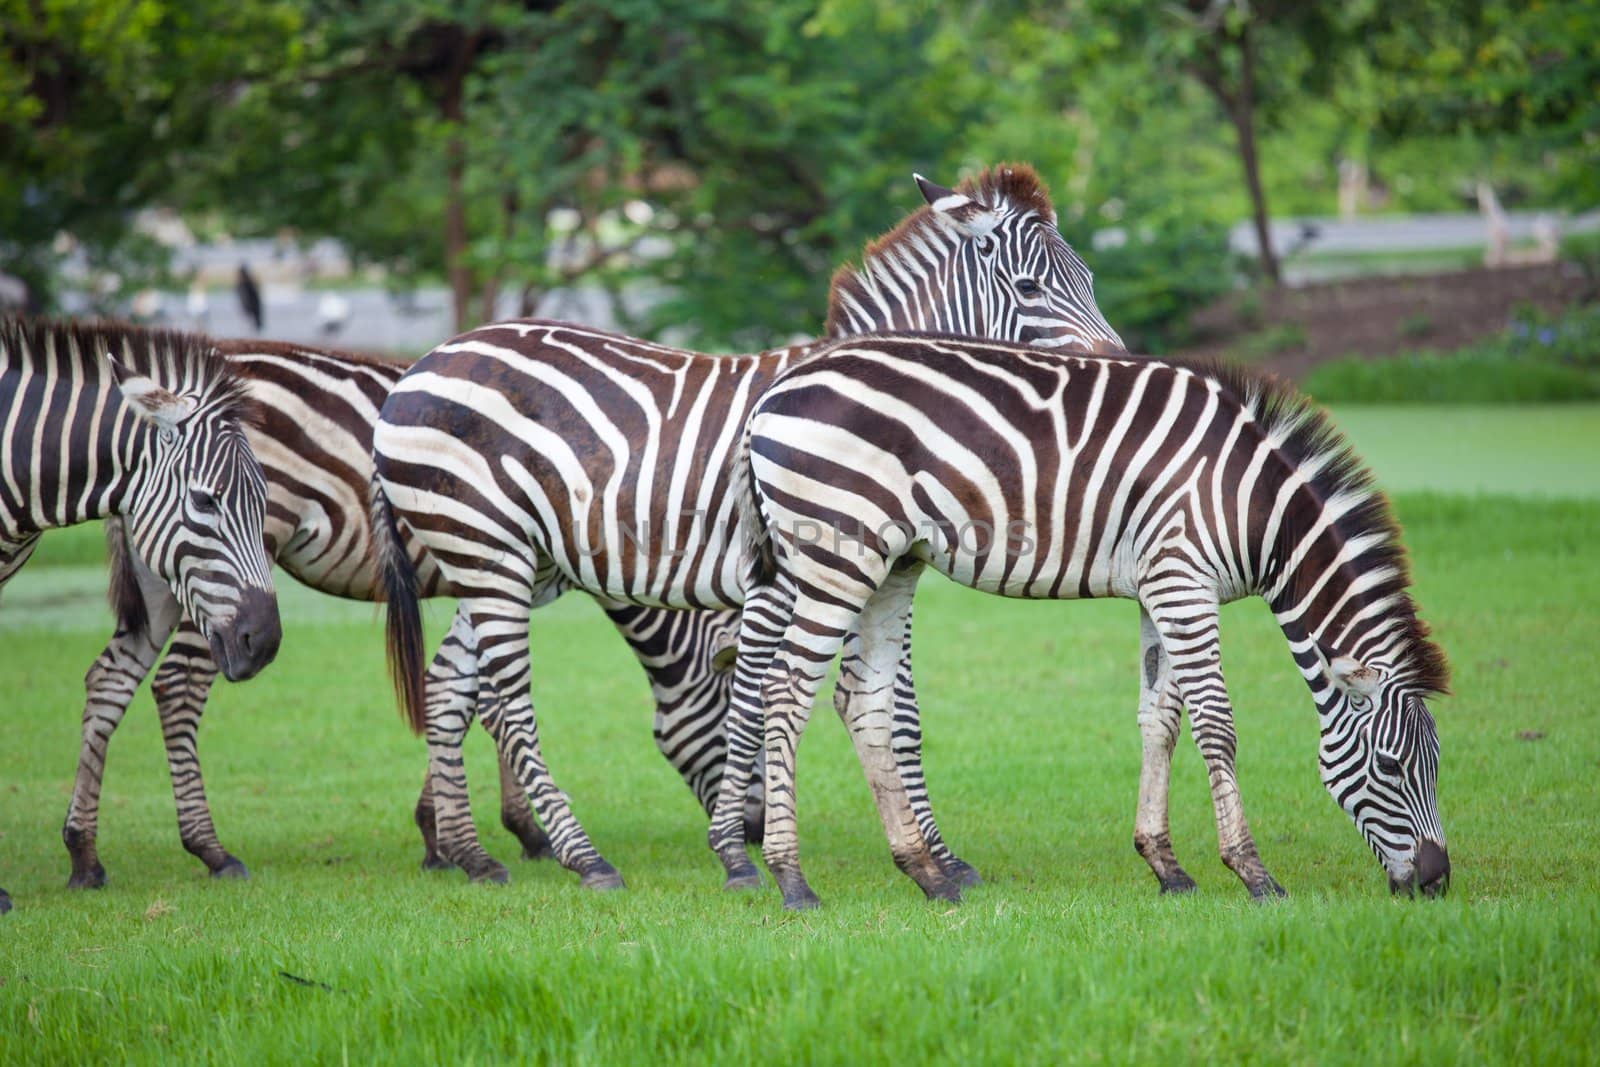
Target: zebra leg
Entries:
(907, 743)
(506, 709)
(1160, 718)
(517, 816)
(767, 611)
(5, 902)
(444, 813)
(181, 685)
(866, 708)
(1186, 621)
(109, 687)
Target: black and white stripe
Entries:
(534, 457)
(99, 421)
(1067, 477)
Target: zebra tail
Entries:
(761, 566)
(124, 593)
(404, 615)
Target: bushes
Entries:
(1148, 284)
(1537, 360)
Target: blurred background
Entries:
(1310, 187)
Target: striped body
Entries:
(1067, 477)
(101, 421)
(534, 457)
(315, 416)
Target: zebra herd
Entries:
(742, 520)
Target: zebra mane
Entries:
(1014, 184)
(1305, 436)
(185, 363)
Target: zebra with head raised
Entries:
(1067, 477)
(97, 421)
(534, 457)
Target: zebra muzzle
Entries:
(1430, 872)
(250, 641)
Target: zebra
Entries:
(315, 411)
(534, 457)
(103, 420)
(1180, 487)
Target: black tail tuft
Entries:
(127, 599)
(404, 612)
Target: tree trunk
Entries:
(1242, 112)
(455, 207)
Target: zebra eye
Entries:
(202, 502)
(1388, 766)
(1028, 287)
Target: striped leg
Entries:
(13, 554)
(1160, 718)
(865, 705)
(1186, 622)
(181, 685)
(767, 611)
(109, 685)
(907, 742)
(506, 709)
(517, 816)
(444, 813)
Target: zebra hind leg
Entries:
(444, 812)
(516, 815)
(867, 712)
(1160, 718)
(506, 709)
(767, 612)
(181, 685)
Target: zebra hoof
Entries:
(749, 879)
(539, 850)
(493, 874)
(961, 873)
(5, 902)
(602, 876)
(797, 895)
(435, 862)
(1177, 884)
(1266, 892)
(944, 890)
(231, 869)
(92, 878)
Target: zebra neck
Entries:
(894, 292)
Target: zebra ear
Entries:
(151, 401)
(968, 216)
(1353, 675)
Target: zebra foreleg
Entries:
(1160, 718)
(181, 685)
(109, 687)
(506, 709)
(1186, 621)
(444, 812)
(864, 703)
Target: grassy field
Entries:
(340, 949)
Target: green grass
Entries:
(1066, 954)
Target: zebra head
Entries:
(194, 509)
(984, 260)
(1380, 760)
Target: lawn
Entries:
(340, 949)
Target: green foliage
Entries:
(1150, 284)
(1067, 954)
(1536, 360)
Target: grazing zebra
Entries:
(534, 457)
(1027, 476)
(315, 412)
(97, 421)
